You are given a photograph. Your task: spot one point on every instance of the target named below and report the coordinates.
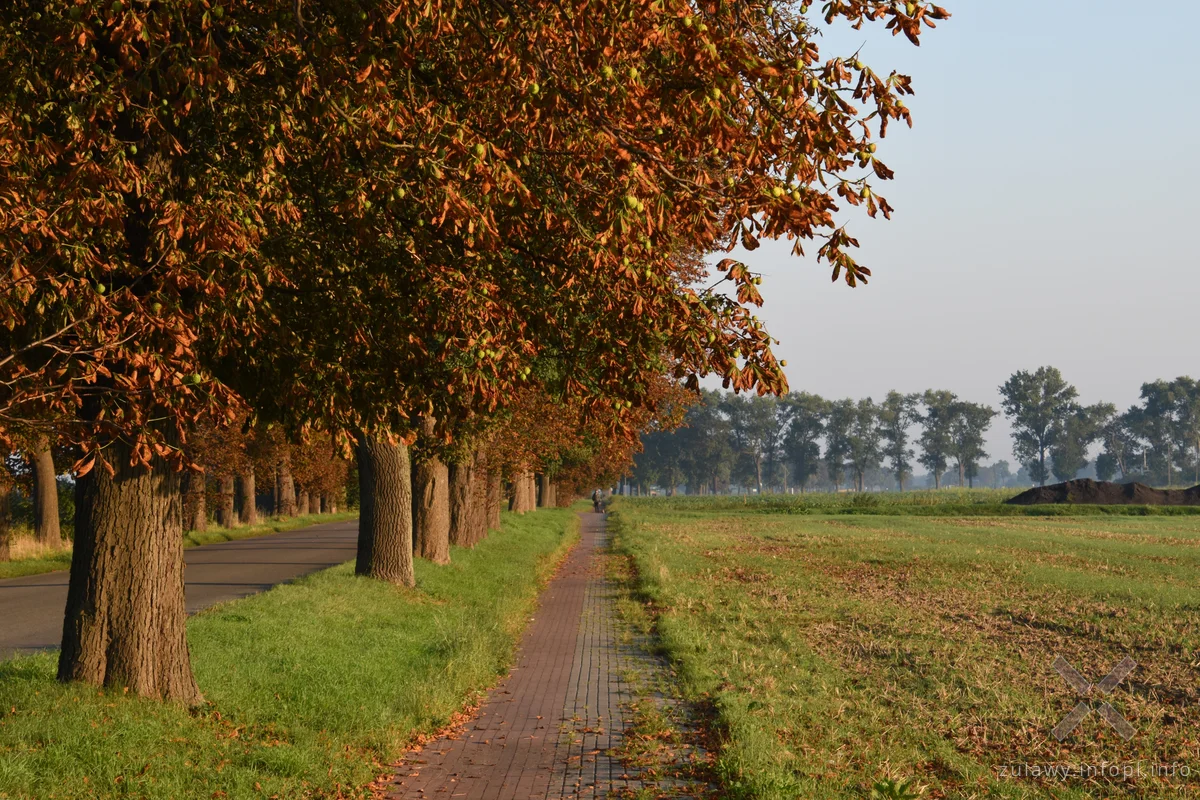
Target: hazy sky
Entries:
(1046, 212)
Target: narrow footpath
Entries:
(556, 726)
(32, 607)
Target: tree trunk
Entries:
(495, 496)
(246, 487)
(522, 501)
(45, 494)
(461, 485)
(225, 513)
(961, 475)
(385, 511)
(287, 488)
(125, 617)
(477, 508)
(518, 499)
(195, 502)
(531, 492)
(302, 502)
(431, 510)
(552, 489)
(544, 491)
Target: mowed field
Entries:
(839, 650)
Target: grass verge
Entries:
(310, 687)
(839, 653)
(49, 559)
(31, 557)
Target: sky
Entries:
(1046, 212)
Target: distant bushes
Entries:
(937, 503)
(21, 505)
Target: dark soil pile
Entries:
(1104, 493)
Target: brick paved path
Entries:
(547, 731)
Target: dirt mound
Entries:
(1105, 493)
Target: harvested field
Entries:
(840, 652)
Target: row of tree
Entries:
(768, 443)
(238, 474)
(1155, 441)
(801, 439)
(448, 231)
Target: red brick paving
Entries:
(547, 730)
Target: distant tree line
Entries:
(802, 441)
(1156, 441)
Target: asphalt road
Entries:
(31, 608)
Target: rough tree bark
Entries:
(286, 488)
(495, 496)
(461, 480)
(45, 494)
(225, 513)
(531, 493)
(125, 617)
(477, 510)
(543, 492)
(385, 544)
(194, 502)
(523, 499)
(431, 510)
(248, 498)
(302, 502)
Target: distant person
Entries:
(597, 501)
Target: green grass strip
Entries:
(59, 559)
(311, 687)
